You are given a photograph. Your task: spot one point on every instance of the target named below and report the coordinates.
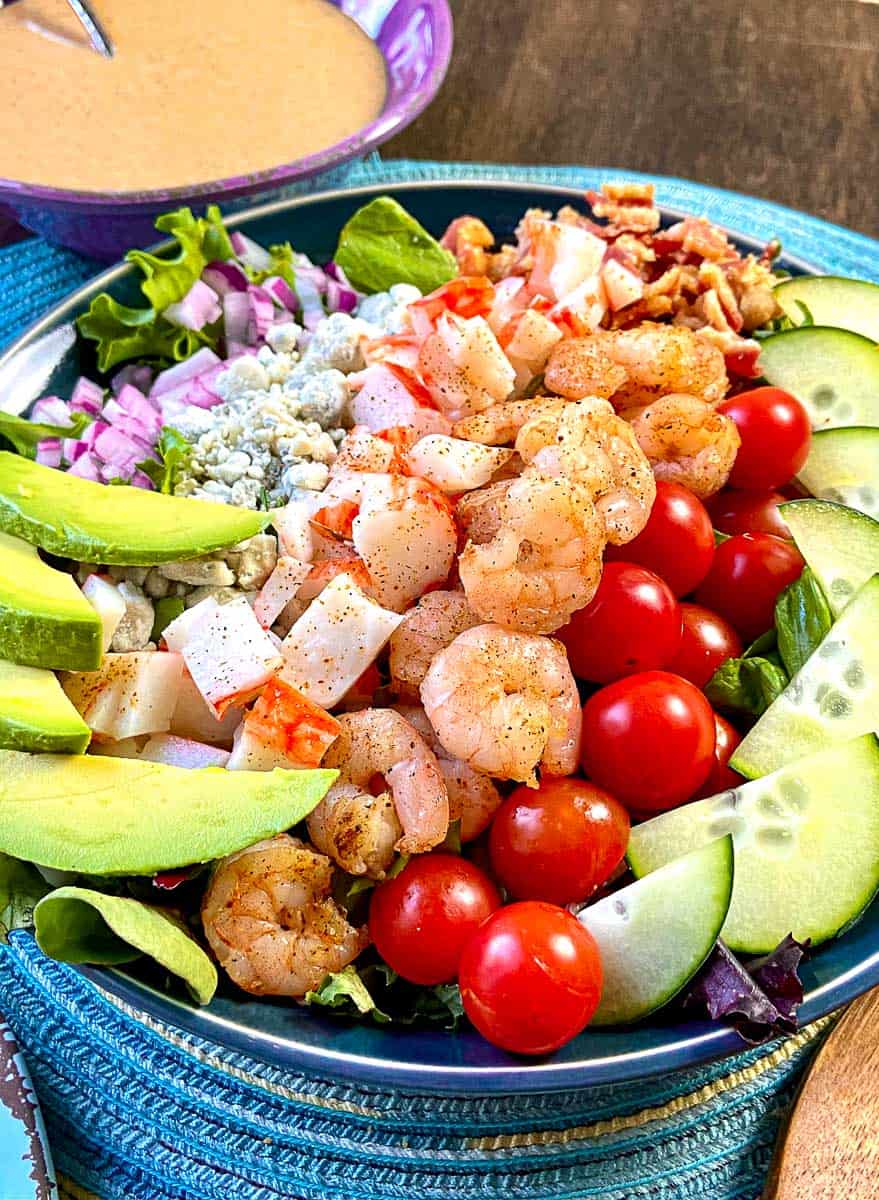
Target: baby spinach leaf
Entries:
(21, 887)
(746, 685)
(75, 924)
(382, 245)
(24, 434)
(802, 620)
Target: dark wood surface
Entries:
(778, 98)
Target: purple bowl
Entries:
(415, 38)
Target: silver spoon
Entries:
(89, 22)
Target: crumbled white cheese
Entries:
(133, 631)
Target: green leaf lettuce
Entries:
(382, 245)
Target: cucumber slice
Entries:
(833, 373)
(806, 842)
(840, 544)
(833, 697)
(655, 934)
(843, 466)
(831, 300)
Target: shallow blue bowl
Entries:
(48, 357)
(415, 39)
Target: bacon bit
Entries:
(696, 235)
(569, 216)
(713, 278)
(466, 296)
(627, 206)
(287, 721)
(743, 362)
(337, 518)
(469, 239)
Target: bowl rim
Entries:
(706, 1042)
(392, 119)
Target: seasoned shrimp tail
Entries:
(434, 622)
(687, 442)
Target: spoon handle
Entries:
(89, 22)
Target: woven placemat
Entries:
(138, 1110)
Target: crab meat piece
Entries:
(582, 310)
(108, 602)
(453, 464)
(463, 366)
(293, 526)
(279, 589)
(230, 656)
(288, 723)
(510, 298)
(391, 395)
(194, 720)
(128, 695)
(622, 286)
(565, 256)
(182, 752)
(527, 341)
(340, 634)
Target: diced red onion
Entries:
(279, 289)
(339, 298)
(138, 479)
(236, 317)
(167, 381)
(87, 466)
(118, 448)
(72, 448)
(140, 409)
(138, 375)
(251, 253)
(199, 307)
(87, 397)
(53, 410)
(309, 298)
(225, 277)
(49, 452)
(262, 313)
(91, 433)
(335, 272)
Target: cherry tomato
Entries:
(420, 919)
(708, 640)
(721, 776)
(748, 512)
(775, 432)
(633, 623)
(557, 842)
(677, 542)
(648, 739)
(746, 577)
(530, 977)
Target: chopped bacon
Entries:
(697, 236)
(627, 206)
(713, 278)
(469, 239)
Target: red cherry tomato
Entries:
(677, 542)
(722, 776)
(557, 842)
(775, 432)
(748, 512)
(420, 920)
(633, 623)
(707, 641)
(530, 977)
(648, 739)
(746, 577)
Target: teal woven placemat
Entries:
(136, 1109)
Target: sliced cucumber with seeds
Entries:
(843, 466)
(849, 304)
(840, 544)
(834, 697)
(806, 843)
(833, 373)
(655, 934)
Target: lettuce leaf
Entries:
(21, 888)
(376, 993)
(200, 240)
(382, 245)
(174, 454)
(24, 435)
(75, 924)
(123, 333)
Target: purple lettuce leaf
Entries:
(759, 998)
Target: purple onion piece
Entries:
(249, 252)
(225, 277)
(199, 307)
(87, 396)
(170, 379)
(87, 466)
(53, 410)
(49, 452)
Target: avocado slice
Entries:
(45, 620)
(126, 526)
(123, 816)
(35, 714)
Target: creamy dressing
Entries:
(197, 90)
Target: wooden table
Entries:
(779, 98)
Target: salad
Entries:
(459, 630)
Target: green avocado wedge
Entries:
(121, 816)
(79, 925)
(45, 620)
(36, 715)
(806, 845)
(127, 526)
(655, 934)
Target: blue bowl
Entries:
(48, 357)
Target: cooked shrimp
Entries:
(656, 360)
(473, 797)
(376, 746)
(430, 626)
(544, 560)
(498, 425)
(687, 442)
(270, 919)
(586, 442)
(479, 513)
(505, 703)
(463, 366)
